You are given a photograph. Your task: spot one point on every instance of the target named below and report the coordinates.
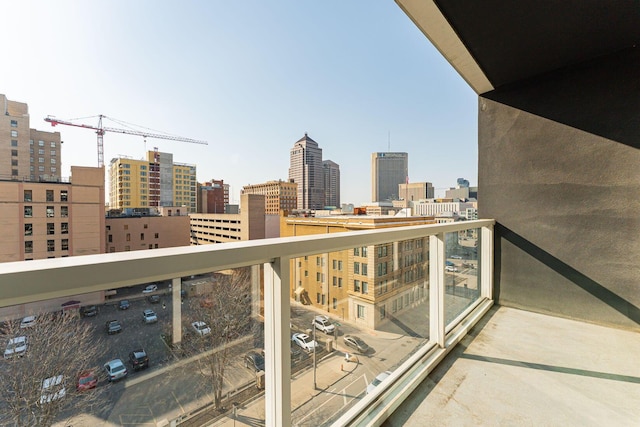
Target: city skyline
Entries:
(248, 78)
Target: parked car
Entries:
(323, 324)
(149, 316)
(149, 289)
(138, 359)
(52, 389)
(450, 268)
(124, 305)
(456, 257)
(254, 361)
(86, 380)
(304, 341)
(356, 343)
(88, 311)
(153, 299)
(201, 328)
(16, 347)
(377, 380)
(113, 327)
(115, 370)
(28, 322)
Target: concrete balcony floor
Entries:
(518, 368)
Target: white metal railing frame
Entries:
(24, 282)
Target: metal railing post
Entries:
(277, 343)
(436, 289)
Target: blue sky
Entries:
(249, 77)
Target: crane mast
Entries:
(100, 131)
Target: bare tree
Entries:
(226, 310)
(39, 381)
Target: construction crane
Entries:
(100, 131)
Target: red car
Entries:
(86, 380)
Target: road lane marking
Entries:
(329, 399)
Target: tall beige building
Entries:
(278, 195)
(53, 219)
(155, 182)
(26, 154)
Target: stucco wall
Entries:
(559, 170)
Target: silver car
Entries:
(115, 369)
(149, 316)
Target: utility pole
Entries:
(315, 344)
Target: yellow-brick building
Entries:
(366, 285)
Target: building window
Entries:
(49, 195)
(14, 142)
(356, 285)
(306, 273)
(41, 168)
(28, 229)
(361, 311)
(146, 226)
(126, 226)
(356, 251)
(383, 311)
(53, 170)
(14, 153)
(335, 264)
(41, 143)
(394, 306)
(335, 303)
(64, 195)
(317, 260)
(50, 212)
(318, 298)
(150, 246)
(28, 247)
(317, 277)
(364, 251)
(52, 144)
(51, 245)
(41, 152)
(28, 195)
(14, 133)
(127, 248)
(14, 162)
(335, 281)
(14, 123)
(110, 238)
(64, 244)
(157, 236)
(365, 287)
(356, 268)
(155, 246)
(28, 211)
(339, 265)
(128, 237)
(365, 268)
(51, 228)
(339, 282)
(52, 161)
(40, 159)
(64, 228)
(141, 236)
(64, 211)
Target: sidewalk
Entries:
(329, 371)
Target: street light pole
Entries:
(315, 344)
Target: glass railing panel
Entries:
(461, 278)
(115, 357)
(367, 309)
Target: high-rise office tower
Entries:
(155, 182)
(27, 154)
(387, 171)
(331, 183)
(306, 170)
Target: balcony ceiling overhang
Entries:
(494, 43)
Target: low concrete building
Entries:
(133, 232)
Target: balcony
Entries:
(410, 322)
